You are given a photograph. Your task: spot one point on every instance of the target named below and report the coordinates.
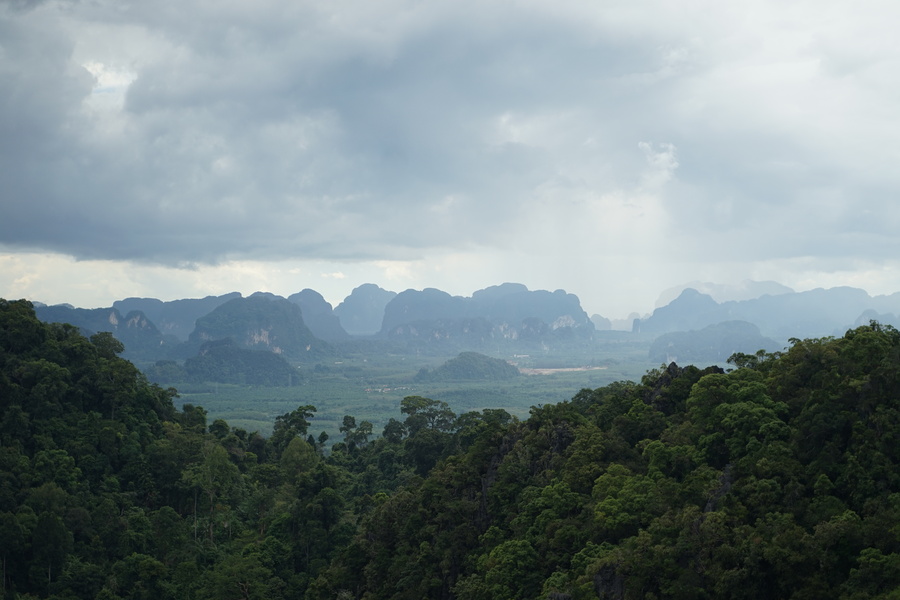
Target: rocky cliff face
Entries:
(176, 317)
(141, 338)
(506, 313)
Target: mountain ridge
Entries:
(505, 318)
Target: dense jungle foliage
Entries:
(777, 479)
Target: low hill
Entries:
(470, 366)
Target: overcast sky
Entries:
(180, 148)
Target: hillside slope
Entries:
(778, 479)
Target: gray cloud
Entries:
(182, 132)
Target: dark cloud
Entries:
(182, 132)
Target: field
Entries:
(371, 388)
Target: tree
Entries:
(20, 331)
(193, 418)
(290, 425)
(347, 425)
(394, 431)
(512, 570)
(219, 428)
(107, 345)
(355, 436)
(215, 475)
(141, 577)
(425, 412)
(13, 535)
(241, 578)
(298, 458)
(362, 433)
(51, 542)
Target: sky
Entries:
(615, 149)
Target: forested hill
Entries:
(778, 479)
(470, 366)
(108, 491)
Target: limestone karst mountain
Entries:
(175, 317)
(362, 312)
(319, 316)
(508, 313)
(502, 319)
(258, 323)
(140, 336)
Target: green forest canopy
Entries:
(777, 479)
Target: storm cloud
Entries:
(687, 138)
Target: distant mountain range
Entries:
(304, 327)
(745, 290)
(811, 314)
(504, 319)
